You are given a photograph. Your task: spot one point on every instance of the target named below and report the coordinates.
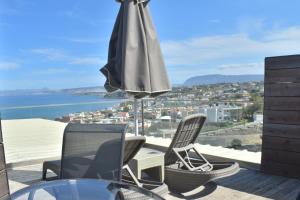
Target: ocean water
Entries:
(51, 106)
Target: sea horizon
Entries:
(51, 106)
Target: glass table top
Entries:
(82, 189)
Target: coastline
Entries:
(52, 106)
(57, 105)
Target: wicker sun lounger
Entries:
(185, 167)
(90, 151)
(131, 147)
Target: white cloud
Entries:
(241, 68)
(51, 54)
(87, 61)
(8, 65)
(199, 50)
(83, 40)
(202, 50)
(100, 22)
(51, 71)
(59, 55)
(251, 24)
(291, 33)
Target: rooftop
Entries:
(28, 142)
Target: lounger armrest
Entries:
(187, 161)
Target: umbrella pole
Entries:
(142, 113)
(136, 119)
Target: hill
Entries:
(99, 90)
(217, 78)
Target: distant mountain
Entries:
(26, 92)
(217, 78)
(84, 90)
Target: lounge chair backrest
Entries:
(4, 189)
(187, 132)
(93, 151)
(132, 146)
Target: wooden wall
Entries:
(281, 129)
(4, 190)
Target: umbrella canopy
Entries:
(135, 62)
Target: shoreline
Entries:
(59, 105)
(53, 106)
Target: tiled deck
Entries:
(247, 185)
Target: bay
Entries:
(51, 106)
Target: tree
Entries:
(256, 106)
(152, 128)
(235, 143)
(125, 109)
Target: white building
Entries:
(258, 118)
(165, 119)
(210, 112)
(220, 113)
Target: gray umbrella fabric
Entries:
(135, 62)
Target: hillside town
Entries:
(233, 111)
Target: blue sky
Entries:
(63, 44)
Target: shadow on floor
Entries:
(25, 176)
(200, 192)
(264, 185)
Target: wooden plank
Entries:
(3, 184)
(280, 169)
(1, 138)
(259, 181)
(283, 157)
(282, 89)
(280, 143)
(283, 75)
(282, 117)
(6, 197)
(2, 159)
(281, 130)
(279, 62)
(269, 186)
(258, 188)
(294, 194)
(284, 189)
(282, 103)
(260, 185)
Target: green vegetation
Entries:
(236, 143)
(256, 106)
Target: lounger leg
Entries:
(162, 173)
(136, 181)
(44, 177)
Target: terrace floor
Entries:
(247, 184)
(28, 142)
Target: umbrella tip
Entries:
(136, 1)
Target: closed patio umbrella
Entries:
(135, 62)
